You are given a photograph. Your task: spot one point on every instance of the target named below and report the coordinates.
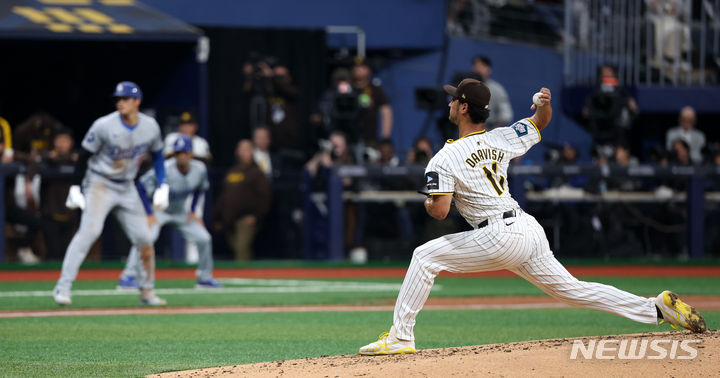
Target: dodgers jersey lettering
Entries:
(117, 148)
(181, 185)
(474, 169)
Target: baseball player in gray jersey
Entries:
(473, 171)
(110, 159)
(186, 177)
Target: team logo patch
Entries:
(520, 129)
(433, 180)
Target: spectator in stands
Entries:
(387, 153)
(188, 125)
(568, 156)
(610, 109)
(274, 100)
(624, 159)
(421, 152)
(16, 217)
(681, 153)
(713, 153)
(468, 18)
(553, 13)
(33, 138)
(263, 156)
(243, 202)
(687, 132)
(671, 33)
(501, 113)
(59, 222)
(374, 104)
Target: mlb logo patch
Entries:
(520, 129)
(433, 180)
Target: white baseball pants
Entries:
(193, 232)
(103, 197)
(517, 244)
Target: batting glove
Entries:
(75, 198)
(161, 198)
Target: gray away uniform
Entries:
(182, 186)
(108, 187)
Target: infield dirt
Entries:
(531, 358)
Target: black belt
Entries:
(507, 214)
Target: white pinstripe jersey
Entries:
(474, 169)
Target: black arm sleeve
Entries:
(81, 166)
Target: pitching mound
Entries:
(540, 358)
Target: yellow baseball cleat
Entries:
(679, 313)
(388, 344)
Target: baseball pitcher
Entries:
(110, 159)
(473, 171)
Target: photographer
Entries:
(421, 152)
(374, 104)
(274, 100)
(334, 152)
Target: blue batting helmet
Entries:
(182, 144)
(127, 89)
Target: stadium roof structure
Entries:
(120, 20)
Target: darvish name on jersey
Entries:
(478, 156)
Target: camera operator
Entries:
(338, 110)
(609, 110)
(274, 100)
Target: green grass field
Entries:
(136, 345)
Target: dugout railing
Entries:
(697, 182)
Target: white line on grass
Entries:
(256, 286)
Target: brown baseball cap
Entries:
(471, 91)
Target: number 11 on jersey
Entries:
(497, 181)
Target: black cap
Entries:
(471, 91)
(187, 117)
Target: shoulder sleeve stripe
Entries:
(441, 194)
(536, 128)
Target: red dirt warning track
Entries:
(167, 274)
